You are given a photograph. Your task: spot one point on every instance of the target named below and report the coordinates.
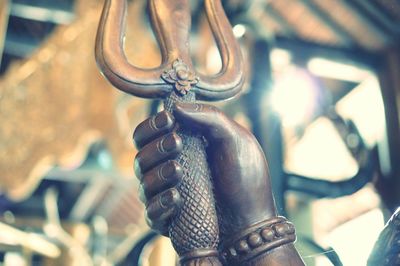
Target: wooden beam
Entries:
(377, 15)
(372, 27)
(343, 36)
(274, 14)
(310, 49)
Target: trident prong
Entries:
(171, 24)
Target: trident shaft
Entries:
(194, 232)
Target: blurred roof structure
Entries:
(369, 25)
(349, 24)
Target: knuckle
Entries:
(140, 132)
(142, 194)
(153, 209)
(137, 166)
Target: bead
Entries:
(289, 228)
(259, 238)
(242, 246)
(280, 229)
(255, 240)
(268, 234)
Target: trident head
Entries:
(171, 22)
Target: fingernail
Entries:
(171, 170)
(162, 120)
(170, 143)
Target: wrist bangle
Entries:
(258, 238)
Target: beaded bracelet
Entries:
(257, 239)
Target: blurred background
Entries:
(322, 96)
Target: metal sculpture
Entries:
(194, 232)
(251, 232)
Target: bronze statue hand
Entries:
(244, 200)
(239, 168)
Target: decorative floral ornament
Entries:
(181, 76)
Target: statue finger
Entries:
(162, 177)
(163, 206)
(152, 128)
(156, 152)
(206, 118)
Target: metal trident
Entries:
(194, 232)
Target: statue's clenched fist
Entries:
(238, 166)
